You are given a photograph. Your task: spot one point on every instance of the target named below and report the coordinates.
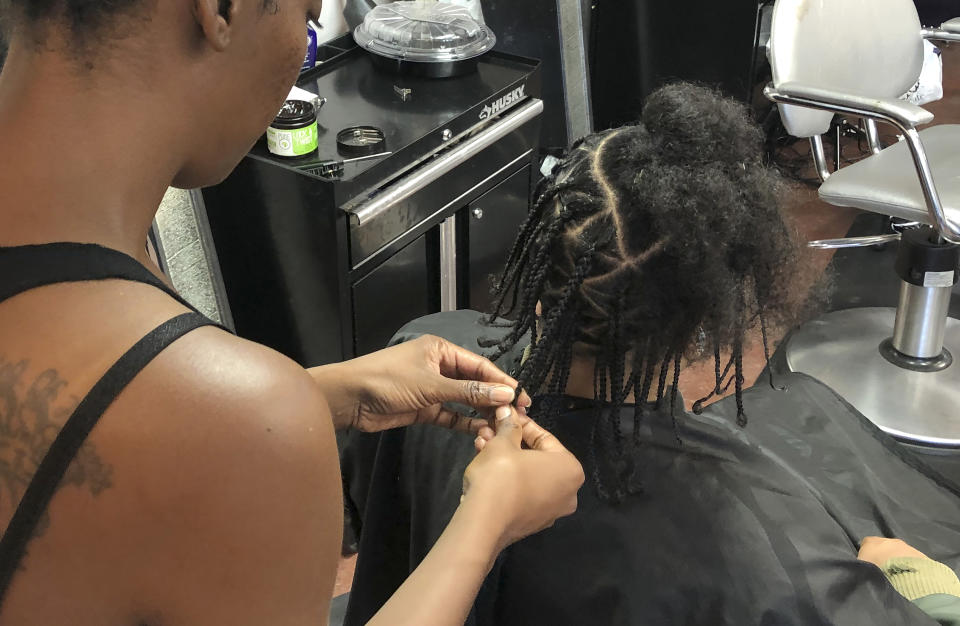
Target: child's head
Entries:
(651, 243)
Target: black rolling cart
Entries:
(325, 257)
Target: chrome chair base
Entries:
(842, 350)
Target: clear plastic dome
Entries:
(424, 30)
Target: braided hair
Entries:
(648, 245)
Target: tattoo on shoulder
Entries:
(32, 413)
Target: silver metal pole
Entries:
(448, 264)
(921, 320)
(873, 135)
(819, 157)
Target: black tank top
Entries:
(27, 267)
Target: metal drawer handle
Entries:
(406, 187)
(478, 213)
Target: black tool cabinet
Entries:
(327, 268)
(406, 286)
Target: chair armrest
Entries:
(948, 31)
(900, 113)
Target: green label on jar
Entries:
(292, 143)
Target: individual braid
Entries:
(616, 365)
(596, 476)
(738, 359)
(531, 286)
(673, 396)
(648, 373)
(641, 387)
(606, 420)
(516, 261)
(512, 277)
(716, 367)
(533, 372)
(766, 353)
(738, 377)
(662, 384)
(719, 386)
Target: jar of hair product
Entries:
(294, 131)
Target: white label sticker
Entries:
(938, 279)
(292, 143)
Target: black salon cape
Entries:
(736, 526)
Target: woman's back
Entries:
(157, 480)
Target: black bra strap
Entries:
(68, 443)
(27, 267)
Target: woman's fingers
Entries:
(457, 362)
(446, 418)
(508, 426)
(525, 402)
(530, 487)
(537, 438)
(534, 436)
(494, 385)
(879, 550)
(472, 393)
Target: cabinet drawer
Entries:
(390, 296)
(493, 222)
(442, 183)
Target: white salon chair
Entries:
(856, 57)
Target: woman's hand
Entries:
(509, 493)
(878, 550)
(410, 383)
(525, 490)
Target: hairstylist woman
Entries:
(155, 469)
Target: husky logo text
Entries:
(504, 103)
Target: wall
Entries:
(935, 12)
(331, 18)
(186, 254)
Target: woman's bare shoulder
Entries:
(209, 492)
(213, 382)
(241, 464)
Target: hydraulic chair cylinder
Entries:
(928, 268)
(921, 320)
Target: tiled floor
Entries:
(813, 219)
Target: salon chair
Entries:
(855, 58)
